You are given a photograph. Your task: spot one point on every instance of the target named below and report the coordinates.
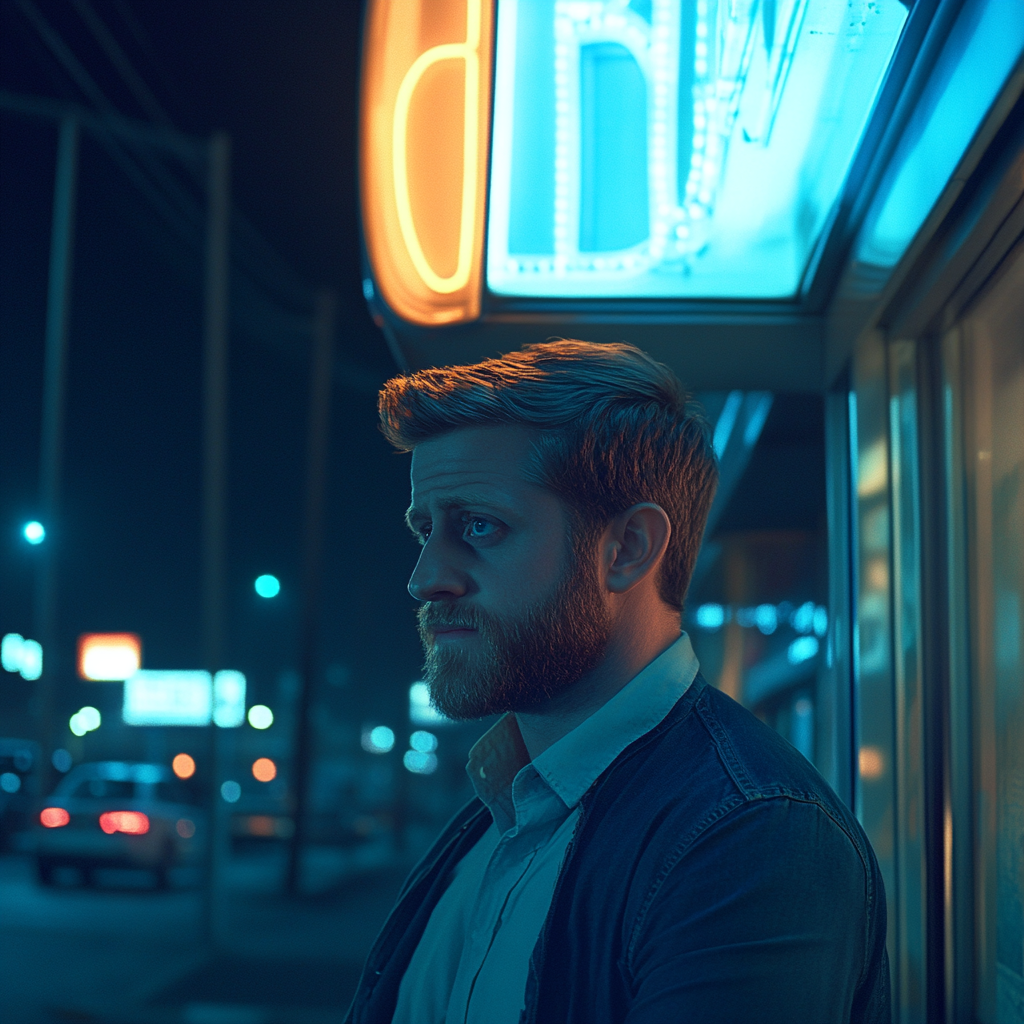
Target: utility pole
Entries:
(321, 362)
(58, 303)
(215, 370)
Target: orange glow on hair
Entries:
(424, 140)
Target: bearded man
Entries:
(640, 848)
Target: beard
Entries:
(520, 663)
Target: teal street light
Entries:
(34, 532)
(268, 586)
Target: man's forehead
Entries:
(473, 456)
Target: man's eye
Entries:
(477, 528)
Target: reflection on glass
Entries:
(874, 785)
(673, 147)
(994, 451)
(985, 44)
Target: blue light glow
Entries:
(229, 699)
(167, 698)
(378, 740)
(230, 791)
(22, 656)
(420, 763)
(726, 421)
(423, 741)
(420, 710)
(268, 586)
(803, 618)
(759, 404)
(10, 782)
(981, 51)
(802, 649)
(34, 532)
(766, 618)
(710, 616)
(676, 147)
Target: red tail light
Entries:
(134, 823)
(54, 817)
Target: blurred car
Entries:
(118, 814)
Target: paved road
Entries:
(117, 953)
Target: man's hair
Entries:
(615, 428)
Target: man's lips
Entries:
(451, 632)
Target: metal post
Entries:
(316, 478)
(215, 364)
(58, 303)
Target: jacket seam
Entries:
(732, 761)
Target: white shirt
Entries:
(471, 964)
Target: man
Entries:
(641, 848)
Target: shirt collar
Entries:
(572, 765)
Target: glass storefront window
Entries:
(993, 338)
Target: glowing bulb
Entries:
(34, 532)
(260, 716)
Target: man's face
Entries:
(511, 614)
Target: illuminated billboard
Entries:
(108, 657)
(184, 698)
(677, 148)
(167, 698)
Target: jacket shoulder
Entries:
(760, 763)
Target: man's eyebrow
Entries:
(414, 516)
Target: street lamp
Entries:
(34, 532)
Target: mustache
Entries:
(434, 615)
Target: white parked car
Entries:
(118, 814)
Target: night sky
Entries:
(281, 80)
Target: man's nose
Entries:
(436, 577)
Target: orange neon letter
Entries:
(468, 52)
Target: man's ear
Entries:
(635, 544)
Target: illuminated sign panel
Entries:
(184, 698)
(108, 657)
(674, 148)
(228, 699)
(424, 139)
(167, 698)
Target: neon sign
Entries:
(425, 129)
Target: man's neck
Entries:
(625, 656)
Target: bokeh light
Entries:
(264, 770)
(378, 740)
(54, 817)
(184, 766)
(34, 532)
(423, 741)
(260, 716)
(267, 585)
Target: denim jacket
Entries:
(713, 876)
